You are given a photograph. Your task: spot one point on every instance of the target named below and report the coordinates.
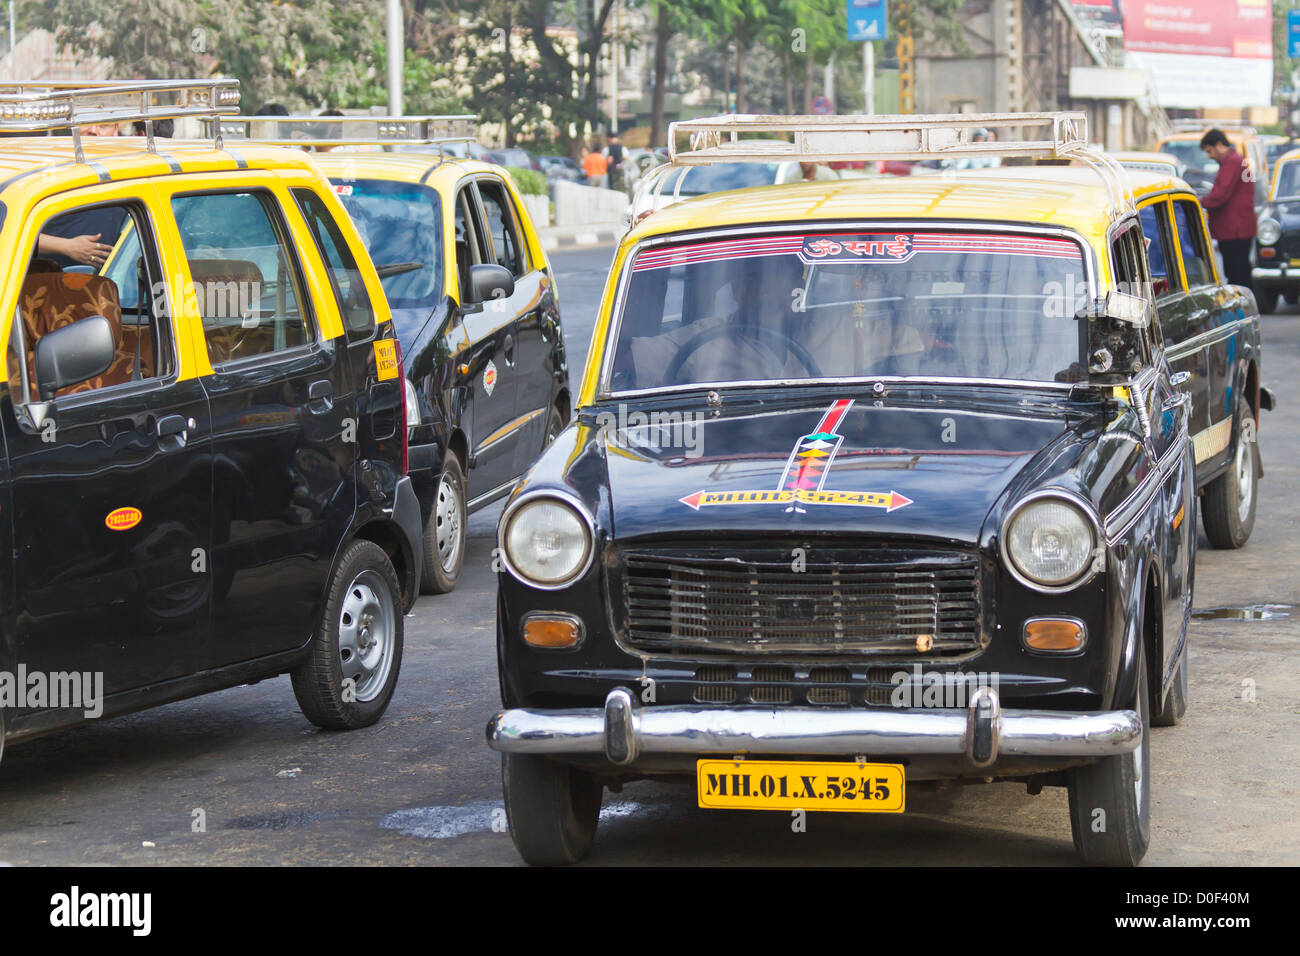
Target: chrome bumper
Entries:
(622, 731)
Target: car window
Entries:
(1191, 240)
(245, 281)
(128, 291)
(1129, 264)
(469, 248)
(1160, 249)
(349, 287)
(501, 225)
(1288, 180)
(700, 180)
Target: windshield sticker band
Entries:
(841, 248)
(805, 475)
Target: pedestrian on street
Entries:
(595, 166)
(1231, 207)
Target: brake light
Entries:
(401, 422)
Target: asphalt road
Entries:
(422, 787)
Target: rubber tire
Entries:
(1266, 299)
(1223, 526)
(554, 425)
(1292, 296)
(1174, 707)
(1108, 785)
(552, 809)
(318, 681)
(434, 578)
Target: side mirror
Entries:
(1117, 337)
(73, 354)
(488, 282)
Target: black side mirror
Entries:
(73, 354)
(1118, 326)
(488, 282)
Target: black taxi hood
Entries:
(820, 466)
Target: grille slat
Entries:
(744, 601)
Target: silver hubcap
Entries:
(447, 524)
(1245, 465)
(366, 626)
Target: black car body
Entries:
(827, 539)
(475, 309)
(203, 479)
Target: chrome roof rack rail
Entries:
(44, 107)
(361, 129)
(821, 139)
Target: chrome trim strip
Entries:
(506, 429)
(625, 280)
(575, 505)
(490, 496)
(1203, 339)
(623, 730)
(1141, 496)
(1096, 564)
(815, 382)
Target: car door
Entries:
(1215, 328)
(283, 413)
(112, 483)
(535, 329)
(1180, 310)
(487, 362)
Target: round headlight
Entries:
(1050, 541)
(547, 543)
(1269, 231)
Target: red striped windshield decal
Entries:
(1003, 244)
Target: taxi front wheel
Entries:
(1228, 504)
(351, 669)
(552, 809)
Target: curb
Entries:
(591, 236)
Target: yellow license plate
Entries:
(799, 785)
(386, 359)
(1294, 263)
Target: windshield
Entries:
(1288, 180)
(720, 177)
(1190, 154)
(401, 227)
(851, 305)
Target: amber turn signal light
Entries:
(552, 631)
(1054, 634)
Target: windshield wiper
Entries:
(397, 268)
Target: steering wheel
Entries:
(756, 335)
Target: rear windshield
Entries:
(852, 305)
(401, 227)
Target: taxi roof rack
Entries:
(47, 106)
(1194, 125)
(366, 130)
(716, 139)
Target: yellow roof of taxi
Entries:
(126, 156)
(1072, 197)
(406, 166)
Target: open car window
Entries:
(941, 304)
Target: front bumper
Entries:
(622, 731)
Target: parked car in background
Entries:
(1212, 342)
(561, 167)
(1276, 274)
(1151, 162)
(1199, 170)
(670, 184)
(1276, 146)
(457, 150)
(517, 158)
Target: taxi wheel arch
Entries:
(387, 537)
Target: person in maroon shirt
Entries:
(1231, 206)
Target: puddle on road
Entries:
(445, 823)
(1247, 612)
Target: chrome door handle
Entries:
(1178, 378)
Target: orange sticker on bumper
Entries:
(386, 359)
(123, 519)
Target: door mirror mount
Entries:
(1117, 346)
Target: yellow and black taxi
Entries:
(474, 307)
(204, 456)
(1276, 273)
(1212, 342)
(873, 486)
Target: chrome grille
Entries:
(746, 600)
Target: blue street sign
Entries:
(1293, 34)
(867, 19)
